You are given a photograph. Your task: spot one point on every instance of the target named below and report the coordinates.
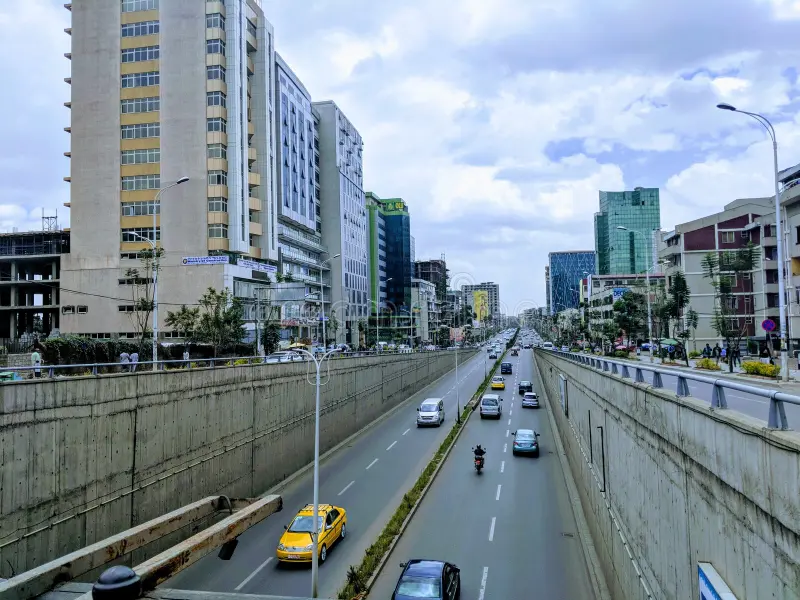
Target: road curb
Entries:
(382, 563)
(328, 453)
(587, 544)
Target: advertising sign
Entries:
(711, 585)
(456, 334)
(619, 293)
(256, 266)
(191, 261)
(480, 305)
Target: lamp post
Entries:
(156, 212)
(647, 280)
(378, 317)
(766, 124)
(322, 301)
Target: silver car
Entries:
(530, 400)
(491, 406)
(430, 412)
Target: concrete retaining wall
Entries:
(118, 450)
(682, 484)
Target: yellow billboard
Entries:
(480, 305)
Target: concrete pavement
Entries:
(510, 529)
(368, 478)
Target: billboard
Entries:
(619, 292)
(480, 305)
(456, 334)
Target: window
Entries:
(217, 151)
(218, 231)
(135, 281)
(251, 29)
(126, 308)
(82, 309)
(218, 204)
(140, 209)
(217, 178)
(216, 99)
(135, 234)
(134, 5)
(767, 230)
(216, 46)
(215, 20)
(746, 276)
(130, 55)
(141, 157)
(141, 105)
(748, 320)
(134, 80)
(745, 235)
(728, 237)
(215, 72)
(796, 235)
(141, 182)
(140, 28)
(68, 310)
(217, 124)
(144, 130)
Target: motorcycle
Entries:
(478, 463)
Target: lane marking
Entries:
(491, 529)
(502, 466)
(372, 463)
(497, 496)
(253, 574)
(406, 431)
(347, 487)
(391, 445)
(505, 447)
(509, 414)
(483, 583)
(508, 430)
(509, 421)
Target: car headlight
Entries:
(309, 547)
(281, 547)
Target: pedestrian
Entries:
(36, 361)
(186, 357)
(707, 351)
(124, 360)
(716, 352)
(134, 361)
(736, 355)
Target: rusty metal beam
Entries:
(43, 578)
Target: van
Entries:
(505, 368)
(547, 345)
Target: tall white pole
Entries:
(315, 512)
(781, 265)
(649, 315)
(322, 303)
(156, 210)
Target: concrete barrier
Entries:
(667, 482)
(86, 457)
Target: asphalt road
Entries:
(510, 529)
(368, 478)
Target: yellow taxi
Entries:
(296, 545)
(498, 383)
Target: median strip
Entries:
(361, 578)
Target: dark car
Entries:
(527, 346)
(493, 354)
(524, 386)
(434, 579)
(505, 368)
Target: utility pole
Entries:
(259, 347)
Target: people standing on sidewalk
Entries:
(707, 351)
(716, 352)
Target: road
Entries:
(368, 478)
(511, 529)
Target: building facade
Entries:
(161, 93)
(377, 252)
(628, 250)
(344, 220)
(602, 291)
(493, 296)
(425, 314)
(566, 271)
(738, 224)
(301, 253)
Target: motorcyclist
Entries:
(479, 452)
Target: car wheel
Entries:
(323, 553)
(343, 534)
(536, 454)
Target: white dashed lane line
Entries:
(508, 431)
(491, 529)
(372, 463)
(253, 574)
(505, 447)
(406, 431)
(502, 466)
(485, 576)
(347, 487)
(497, 496)
(391, 445)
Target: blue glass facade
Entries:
(566, 271)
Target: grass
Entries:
(358, 575)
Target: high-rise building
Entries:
(377, 252)
(399, 267)
(493, 295)
(162, 93)
(567, 269)
(628, 250)
(344, 219)
(435, 271)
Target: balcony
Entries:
(68, 104)
(250, 65)
(256, 228)
(253, 179)
(254, 252)
(300, 257)
(252, 155)
(301, 239)
(305, 278)
(254, 203)
(251, 129)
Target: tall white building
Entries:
(492, 291)
(344, 219)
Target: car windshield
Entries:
(489, 402)
(524, 436)
(302, 524)
(431, 407)
(419, 587)
(497, 379)
(524, 382)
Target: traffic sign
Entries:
(768, 325)
(671, 349)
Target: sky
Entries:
(497, 122)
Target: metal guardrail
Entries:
(777, 412)
(50, 371)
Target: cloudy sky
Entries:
(498, 122)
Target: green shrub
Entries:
(753, 367)
(240, 361)
(621, 353)
(694, 354)
(574, 349)
(707, 364)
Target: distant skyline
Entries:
(497, 125)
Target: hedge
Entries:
(707, 364)
(752, 367)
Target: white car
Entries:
(430, 412)
(491, 406)
(530, 400)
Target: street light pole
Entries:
(766, 124)
(156, 212)
(322, 301)
(378, 316)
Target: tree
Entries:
(332, 327)
(142, 287)
(184, 322)
(723, 271)
(630, 314)
(692, 320)
(270, 338)
(221, 320)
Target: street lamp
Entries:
(156, 212)
(322, 302)
(378, 317)
(765, 123)
(315, 514)
(647, 279)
